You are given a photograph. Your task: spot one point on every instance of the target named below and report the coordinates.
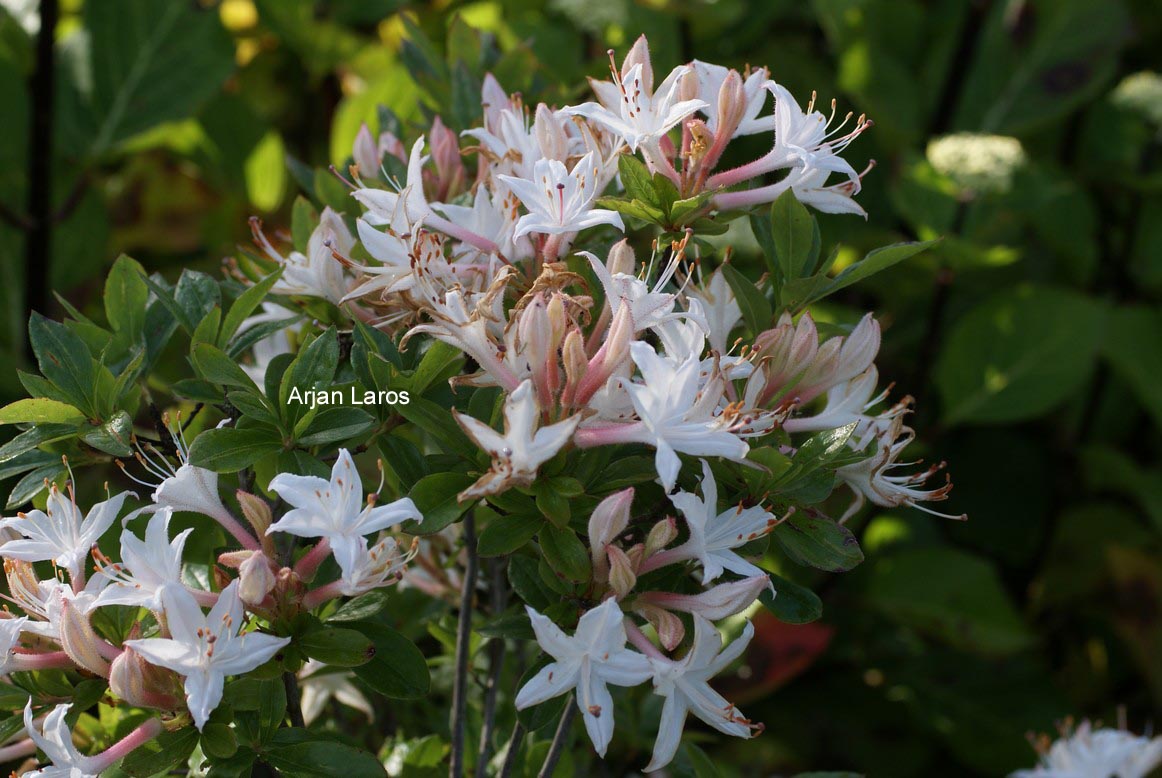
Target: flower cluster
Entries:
(1086, 751)
(176, 662)
(603, 351)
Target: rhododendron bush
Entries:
(489, 459)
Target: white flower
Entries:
(320, 685)
(559, 200)
(493, 215)
(1104, 753)
(147, 566)
(648, 307)
(10, 629)
(721, 309)
(205, 649)
(56, 741)
(316, 273)
(60, 533)
(266, 349)
(714, 535)
(685, 685)
(595, 656)
(631, 108)
(522, 449)
(677, 414)
(334, 510)
(381, 565)
(381, 204)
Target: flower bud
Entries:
(365, 153)
(639, 54)
(256, 579)
(573, 355)
(550, 134)
(621, 258)
(688, 87)
(715, 603)
(621, 575)
(608, 520)
(450, 173)
(78, 639)
(661, 535)
(731, 105)
(142, 684)
(668, 626)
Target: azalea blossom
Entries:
(560, 200)
(675, 412)
(320, 685)
(316, 273)
(60, 533)
(1097, 753)
(204, 649)
(522, 449)
(711, 77)
(334, 510)
(54, 738)
(593, 657)
(685, 685)
(147, 566)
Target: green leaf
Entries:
(507, 533)
(126, 298)
(162, 754)
(219, 741)
(875, 261)
(435, 497)
(638, 183)
(638, 209)
(337, 646)
(1018, 354)
(112, 437)
(950, 594)
(818, 542)
(756, 310)
(152, 61)
(228, 450)
(398, 669)
(565, 552)
(321, 758)
(245, 305)
(362, 607)
(335, 423)
(794, 238)
(526, 582)
(40, 410)
(437, 362)
(312, 368)
(64, 359)
(216, 367)
(792, 603)
(36, 436)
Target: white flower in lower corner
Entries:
(60, 533)
(321, 684)
(55, 739)
(522, 449)
(685, 685)
(334, 510)
(1102, 753)
(594, 657)
(147, 566)
(714, 535)
(205, 649)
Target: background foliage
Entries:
(1031, 335)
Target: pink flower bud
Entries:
(256, 510)
(142, 684)
(365, 153)
(621, 574)
(621, 258)
(661, 535)
(256, 579)
(450, 173)
(550, 134)
(608, 520)
(668, 626)
(731, 107)
(79, 641)
(639, 54)
(716, 603)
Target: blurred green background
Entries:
(1031, 336)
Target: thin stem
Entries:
(463, 634)
(558, 745)
(512, 749)
(495, 668)
(294, 708)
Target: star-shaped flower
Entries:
(204, 649)
(147, 566)
(714, 535)
(60, 533)
(522, 449)
(594, 657)
(685, 685)
(56, 741)
(334, 510)
(560, 200)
